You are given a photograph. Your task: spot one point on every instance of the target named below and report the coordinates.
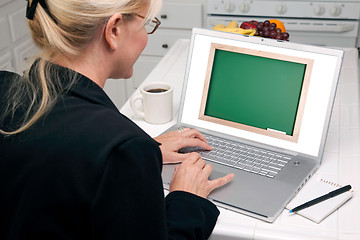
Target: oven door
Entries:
(340, 33)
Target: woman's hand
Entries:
(172, 141)
(193, 176)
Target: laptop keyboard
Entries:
(243, 157)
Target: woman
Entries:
(71, 165)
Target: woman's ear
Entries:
(112, 30)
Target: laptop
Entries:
(264, 106)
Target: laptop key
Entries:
(270, 175)
(282, 161)
(261, 173)
(247, 168)
(240, 165)
(276, 168)
(273, 171)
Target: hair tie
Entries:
(31, 9)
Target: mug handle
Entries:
(133, 100)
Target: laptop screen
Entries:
(267, 98)
(276, 94)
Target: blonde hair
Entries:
(71, 27)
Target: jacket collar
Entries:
(89, 90)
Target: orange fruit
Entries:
(279, 24)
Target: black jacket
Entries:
(85, 171)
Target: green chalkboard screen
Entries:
(255, 90)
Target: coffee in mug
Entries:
(157, 102)
(156, 90)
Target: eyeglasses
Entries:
(150, 25)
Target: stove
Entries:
(329, 23)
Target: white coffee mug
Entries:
(157, 102)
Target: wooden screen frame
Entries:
(271, 133)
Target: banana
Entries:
(219, 26)
(250, 32)
(232, 24)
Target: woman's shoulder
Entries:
(94, 124)
(6, 76)
(117, 127)
(110, 121)
(6, 79)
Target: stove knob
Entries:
(335, 11)
(319, 10)
(229, 7)
(244, 7)
(281, 9)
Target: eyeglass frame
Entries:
(155, 20)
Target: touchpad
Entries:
(216, 174)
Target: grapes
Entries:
(270, 30)
(266, 34)
(260, 26)
(285, 36)
(272, 34)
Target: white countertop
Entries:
(341, 162)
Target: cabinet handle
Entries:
(165, 45)
(164, 16)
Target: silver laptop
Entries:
(264, 106)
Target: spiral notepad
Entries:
(316, 188)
